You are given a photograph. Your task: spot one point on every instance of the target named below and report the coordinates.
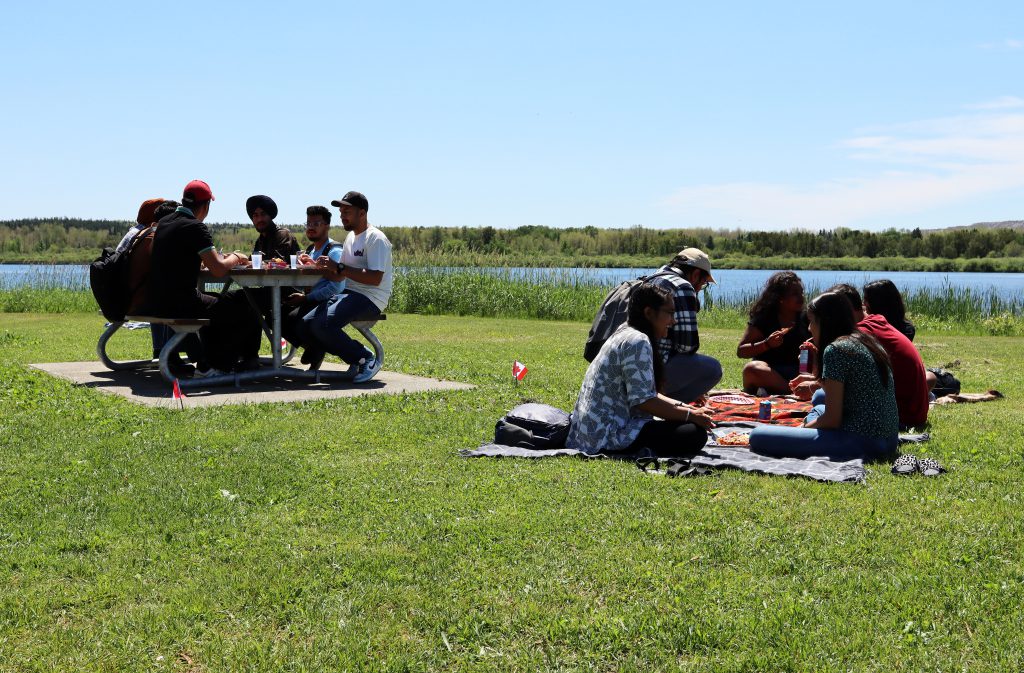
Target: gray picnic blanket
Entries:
(835, 468)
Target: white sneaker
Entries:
(368, 368)
(206, 373)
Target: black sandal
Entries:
(683, 468)
(930, 467)
(649, 464)
(905, 465)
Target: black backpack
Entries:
(946, 383)
(110, 280)
(533, 426)
(613, 312)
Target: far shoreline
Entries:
(868, 264)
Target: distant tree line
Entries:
(68, 239)
(640, 241)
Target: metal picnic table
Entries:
(244, 277)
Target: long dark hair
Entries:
(767, 304)
(834, 315)
(884, 297)
(654, 297)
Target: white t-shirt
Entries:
(369, 250)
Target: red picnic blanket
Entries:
(727, 407)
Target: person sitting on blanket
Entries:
(620, 394)
(688, 374)
(774, 333)
(908, 371)
(855, 410)
(883, 298)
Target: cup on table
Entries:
(257, 260)
(294, 261)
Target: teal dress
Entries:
(869, 405)
(870, 425)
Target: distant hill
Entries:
(1008, 224)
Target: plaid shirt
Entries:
(682, 336)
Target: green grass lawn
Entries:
(349, 535)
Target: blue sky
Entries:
(740, 115)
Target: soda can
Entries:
(764, 411)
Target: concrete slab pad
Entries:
(148, 387)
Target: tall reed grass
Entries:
(56, 289)
(571, 296)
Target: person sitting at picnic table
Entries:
(855, 411)
(274, 241)
(181, 245)
(908, 373)
(620, 392)
(774, 333)
(299, 303)
(366, 266)
(146, 218)
(150, 212)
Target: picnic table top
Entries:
(246, 276)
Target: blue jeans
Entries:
(322, 327)
(782, 441)
(687, 377)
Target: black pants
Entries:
(671, 439)
(249, 334)
(291, 322)
(231, 325)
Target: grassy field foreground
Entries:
(348, 534)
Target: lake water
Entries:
(732, 283)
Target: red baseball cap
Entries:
(198, 191)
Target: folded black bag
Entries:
(533, 426)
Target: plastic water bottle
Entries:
(805, 360)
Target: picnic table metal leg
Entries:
(364, 327)
(275, 298)
(264, 327)
(165, 353)
(268, 330)
(101, 351)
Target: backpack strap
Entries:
(659, 274)
(327, 248)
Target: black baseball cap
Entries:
(352, 199)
